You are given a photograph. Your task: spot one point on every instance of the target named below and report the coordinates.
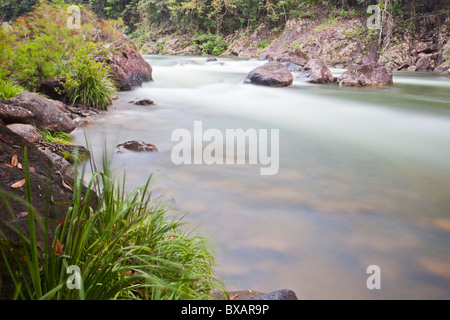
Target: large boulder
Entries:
(272, 74)
(316, 71)
(366, 75)
(46, 115)
(14, 114)
(129, 70)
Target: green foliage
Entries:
(88, 81)
(12, 9)
(210, 44)
(264, 44)
(9, 90)
(125, 248)
(56, 136)
(38, 60)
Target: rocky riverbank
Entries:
(339, 42)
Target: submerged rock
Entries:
(135, 146)
(142, 102)
(272, 74)
(366, 75)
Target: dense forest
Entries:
(226, 16)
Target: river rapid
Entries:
(363, 178)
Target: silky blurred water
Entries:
(364, 177)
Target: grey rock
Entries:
(211, 59)
(142, 102)
(61, 164)
(292, 66)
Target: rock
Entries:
(442, 68)
(424, 47)
(211, 59)
(315, 71)
(61, 164)
(53, 88)
(272, 74)
(135, 146)
(290, 55)
(283, 294)
(129, 70)
(27, 131)
(372, 55)
(142, 102)
(412, 68)
(423, 63)
(46, 115)
(292, 66)
(14, 114)
(366, 75)
(69, 151)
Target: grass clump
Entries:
(88, 81)
(125, 248)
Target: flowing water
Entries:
(364, 177)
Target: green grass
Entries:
(56, 136)
(127, 248)
(9, 90)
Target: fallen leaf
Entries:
(21, 215)
(66, 185)
(59, 247)
(3, 139)
(18, 184)
(61, 222)
(8, 165)
(14, 160)
(19, 165)
(234, 297)
(33, 170)
(39, 186)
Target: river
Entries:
(363, 179)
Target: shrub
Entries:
(210, 44)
